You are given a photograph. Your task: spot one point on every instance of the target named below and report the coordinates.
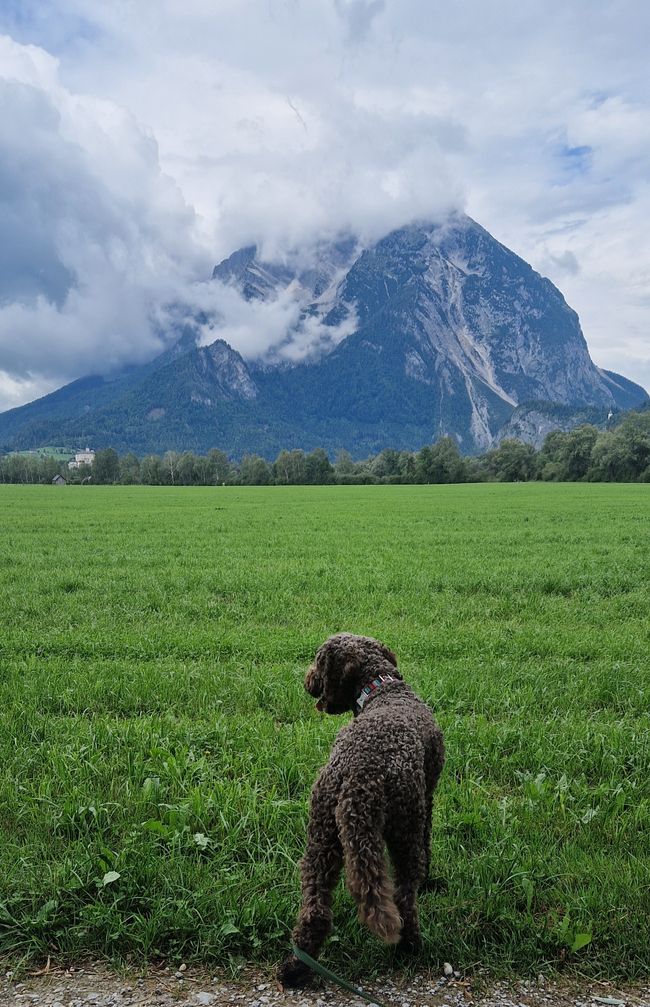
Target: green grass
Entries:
(60, 454)
(153, 723)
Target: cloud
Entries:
(251, 327)
(287, 327)
(358, 16)
(95, 236)
(561, 264)
(265, 116)
(16, 391)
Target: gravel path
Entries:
(94, 986)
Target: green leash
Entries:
(332, 976)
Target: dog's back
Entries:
(395, 737)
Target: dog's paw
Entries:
(410, 944)
(294, 974)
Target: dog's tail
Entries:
(360, 820)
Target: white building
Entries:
(82, 458)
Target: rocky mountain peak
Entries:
(435, 329)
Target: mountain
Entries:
(262, 280)
(435, 329)
(532, 422)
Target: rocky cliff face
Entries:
(532, 423)
(451, 310)
(433, 330)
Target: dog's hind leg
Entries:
(409, 859)
(319, 871)
(427, 837)
(433, 767)
(360, 818)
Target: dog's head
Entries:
(343, 665)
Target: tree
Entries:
(170, 463)
(49, 468)
(386, 464)
(106, 466)
(407, 467)
(254, 471)
(82, 474)
(129, 469)
(447, 463)
(15, 469)
(553, 446)
(551, 457)
(623, 454)
(611, 460)
(512, 461)
(423, 464)
(567, 455)
(219, 467)
(318, 468)
(187, 473)
(635, 430)
(577, 451)
(203, 475)
(441, 462)
(344, 465)
(290, 468)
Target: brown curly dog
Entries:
(376, 789)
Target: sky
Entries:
(142, 141)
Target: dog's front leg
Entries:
(319, 871)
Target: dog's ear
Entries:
(325, 660)
(326, 665)
(388, 654)
(351, 669)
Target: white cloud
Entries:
(251, 327)
(95, 236)
(274, 330)
(16, 391)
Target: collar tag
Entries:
(368, 690)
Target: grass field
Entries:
(157, 748)
(60, 454)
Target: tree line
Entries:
(582, 454)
